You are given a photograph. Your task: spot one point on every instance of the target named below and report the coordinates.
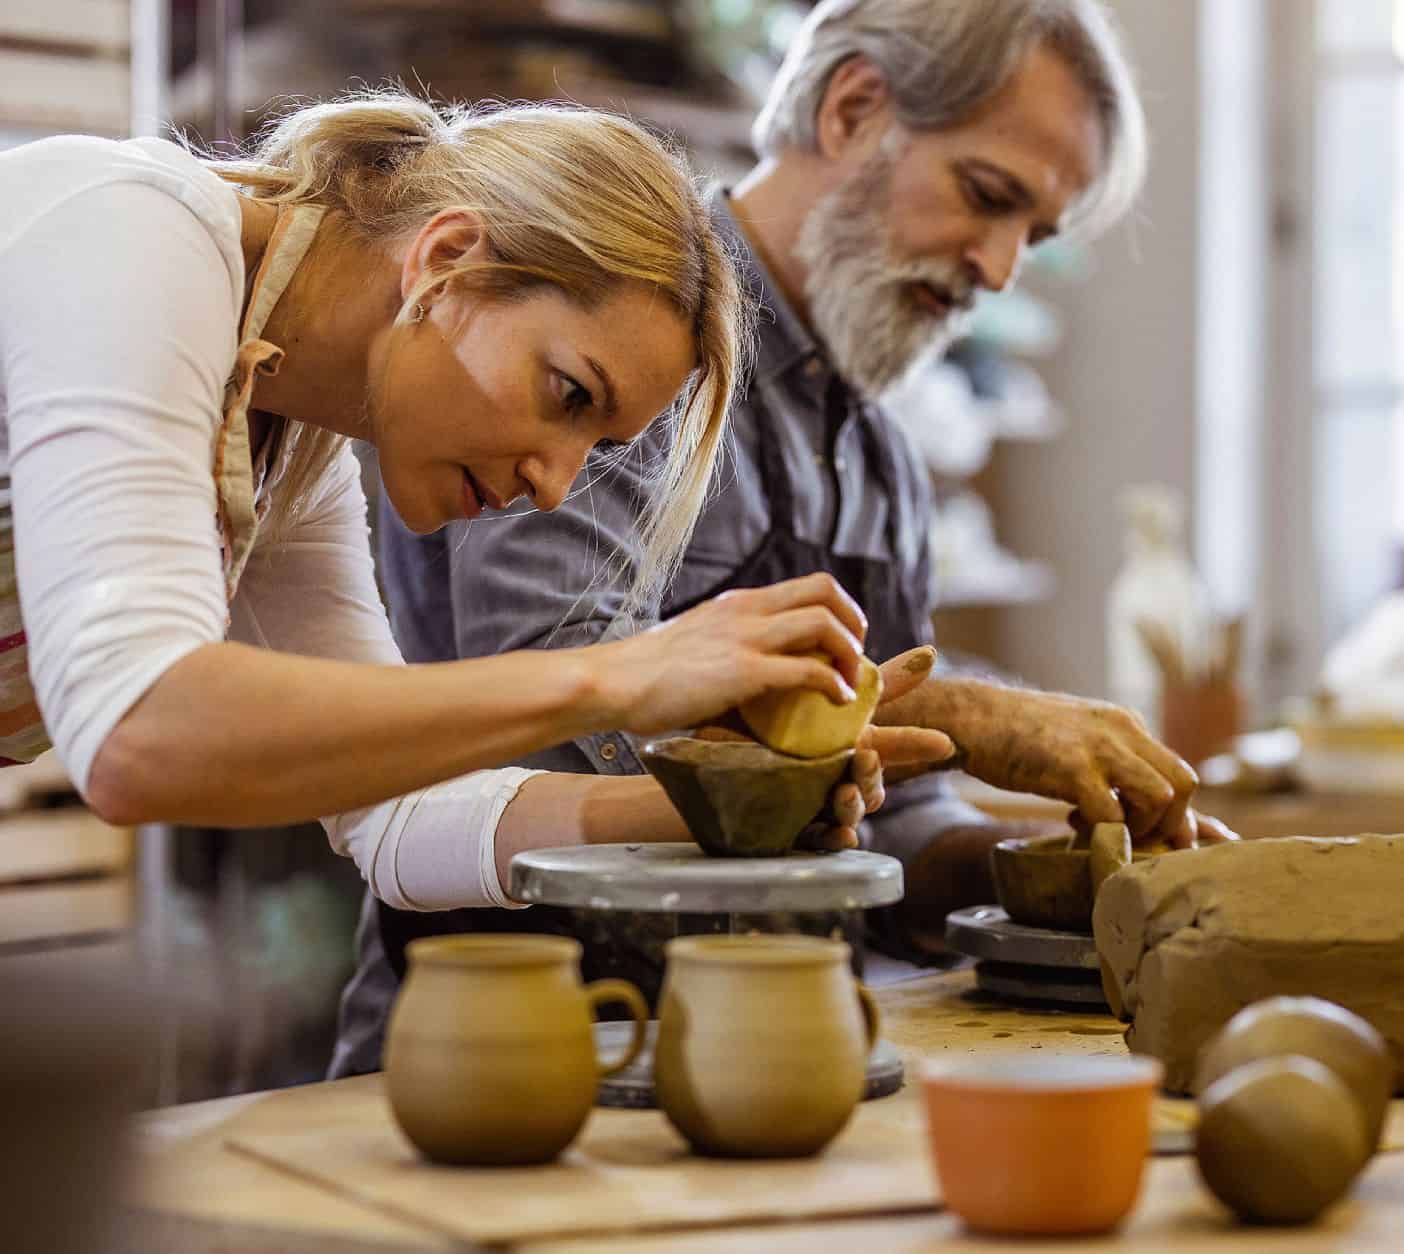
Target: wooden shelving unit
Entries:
(66, 65)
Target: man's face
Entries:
(898, 251)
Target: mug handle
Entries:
(870, 1014)
(620, 991)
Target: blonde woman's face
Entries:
(485, 402)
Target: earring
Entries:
(417, 313)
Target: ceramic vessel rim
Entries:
(1057, 845)
(1060, 1074)
(761, 951)
(493, 949)
(660, 749)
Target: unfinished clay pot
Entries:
(1313, 1028)
(490, 1057)
(1043, 881)
(740, 799)
(1280, 1140)
(806, 724)
(762, 1043)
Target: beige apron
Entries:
(239, 477)
(240, 502)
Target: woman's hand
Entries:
(729, 650)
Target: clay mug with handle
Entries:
(490, 1057)
(763, 1043)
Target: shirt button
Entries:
(608, 752)
(813, 367)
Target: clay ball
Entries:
(1280, 1140)
(1313, 1028)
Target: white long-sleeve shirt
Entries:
(121, 287)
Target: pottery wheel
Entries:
(1027, 963)
(670, 878)
(632, 1088)
(680, 879)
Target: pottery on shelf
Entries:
(490, 1056)
(738, 798)
(762, 1043)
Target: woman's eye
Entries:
(575, 399)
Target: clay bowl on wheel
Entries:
(1042, 881)
(738, 798)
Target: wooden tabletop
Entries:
(192, 1193)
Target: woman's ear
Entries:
(855, 111)
(449, 237)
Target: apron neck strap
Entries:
(291, 237)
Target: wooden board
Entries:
(629, 1172)
(1175, 1213)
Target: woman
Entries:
(184, 349)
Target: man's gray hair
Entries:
(943, 59)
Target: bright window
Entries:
(1358, 327)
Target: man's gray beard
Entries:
(859, 303)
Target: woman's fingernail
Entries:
(847, 692)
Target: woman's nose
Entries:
(552, 478)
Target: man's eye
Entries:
(985, 199)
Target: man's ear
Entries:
(448, 237)
(855, 111)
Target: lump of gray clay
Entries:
(1188, 939)
(738, 798)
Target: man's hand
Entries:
(1096, 756)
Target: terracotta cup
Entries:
(1035, 1146)
(762, 1043)
(490, 1058)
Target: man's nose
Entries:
(996, 257)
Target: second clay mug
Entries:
(763, 1043)
(490, 1056)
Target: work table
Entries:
(191, 1192)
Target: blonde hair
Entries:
(943, 59)
(572, 199)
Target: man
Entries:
(912, 152)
